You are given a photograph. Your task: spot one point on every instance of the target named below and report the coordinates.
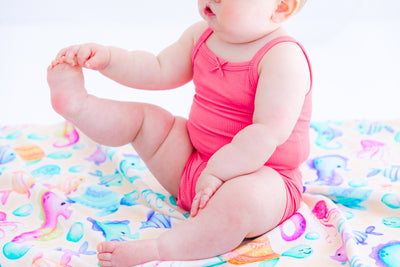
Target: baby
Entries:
(234, 163)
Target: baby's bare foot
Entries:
(126, 253)
(68, 93)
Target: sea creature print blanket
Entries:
(61, 194)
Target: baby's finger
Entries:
(205, 197)
(195, 206)
(84, 54)
(70, 55)
(97, 61)
(62, 52)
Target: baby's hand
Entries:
(91, 56)
(206, 186)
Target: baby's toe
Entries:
(106, 247)
(104, 256)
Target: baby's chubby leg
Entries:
(160, 139)
(242, 207)
(105, 121)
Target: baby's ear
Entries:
(285, 9)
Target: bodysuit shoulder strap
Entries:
(260, 54)
(203, 37)
(282, 39)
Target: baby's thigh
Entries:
(164, 144)
(261, 196)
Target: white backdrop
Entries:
(354, 47)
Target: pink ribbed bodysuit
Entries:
(223, 105)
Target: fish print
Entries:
(113, 230)
(356, 261)
(21, 183)
(154, 199)
(7, 154)
(114, 179)
(260, 250)
(371, 128)
(107, 201)
(392, 172)
(135, 161)
(156, 220)
(131, 199)
(361, 237)
(130, 166)
(99, 198)
(350, 197)
(30, 153)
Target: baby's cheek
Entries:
(227, 13)
(231, 19)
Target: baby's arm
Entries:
(171, 68)
(284, 80)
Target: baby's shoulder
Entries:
(286, 54)
(195, 31)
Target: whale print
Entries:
(327, 169)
